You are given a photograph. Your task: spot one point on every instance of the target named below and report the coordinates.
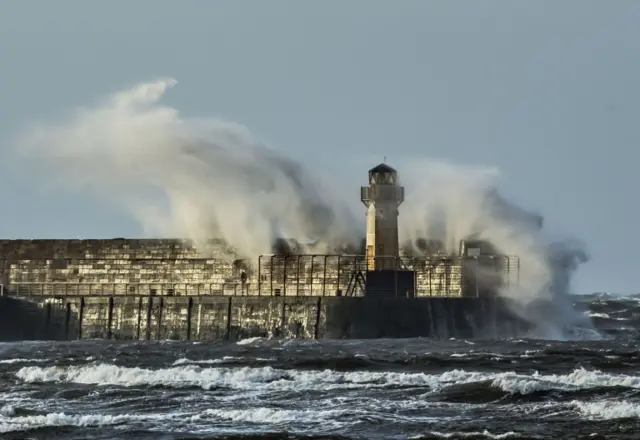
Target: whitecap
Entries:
(608, 409)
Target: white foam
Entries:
(599, 315)
(473, 434)
(22, 361)
(262, 415)
(178, 377)
(223, 360)
(608, 409)
(605, 316)
(7, 411)
(578, 379)
(250, 341)
(24, 423)
(186, 361)
(268, 378)
(262, 378)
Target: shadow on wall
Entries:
(22, 320)
(215, 318)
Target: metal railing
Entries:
(294, 275)
(126, 289)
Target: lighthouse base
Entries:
(390, 283)
(438, 318)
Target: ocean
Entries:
(347, 389)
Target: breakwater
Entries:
(163, 266)
(124, 289)
(213, 318)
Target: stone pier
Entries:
(168, 289)
(216, 318)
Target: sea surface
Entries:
(376, 389)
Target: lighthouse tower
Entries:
(382, 197)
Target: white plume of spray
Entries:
(197, 179)
(207, 178)
(452, 203)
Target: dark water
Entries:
(382, 389)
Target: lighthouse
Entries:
(382, 197)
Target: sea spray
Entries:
(199, 178)
(452, 203)
(188, 177)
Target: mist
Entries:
(452, 203)
(204, 178)
(191, 178)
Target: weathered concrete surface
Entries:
(177, 267)
(169, 289)
(440, 318)
(233, 318)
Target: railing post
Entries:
(324, 276)
(271, 275)
(430, 277)
(311, 275)
(80, 317)
(477, 266)
(338, 281)
(229, 310)
(110, 318)
(298, 276)
(139, 317)
(447, 274)
(189, 311)
(149, 307)
(259, 275)
(284, 278)
(415, 277)
(283, 316)
(159, 334)
(318, 313)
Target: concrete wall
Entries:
(211, 318)
(176, 267)
(27, 320)
(116, 261)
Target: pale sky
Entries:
(546, 91)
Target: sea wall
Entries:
(211, 318)
(177, 267)
(27, 320)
